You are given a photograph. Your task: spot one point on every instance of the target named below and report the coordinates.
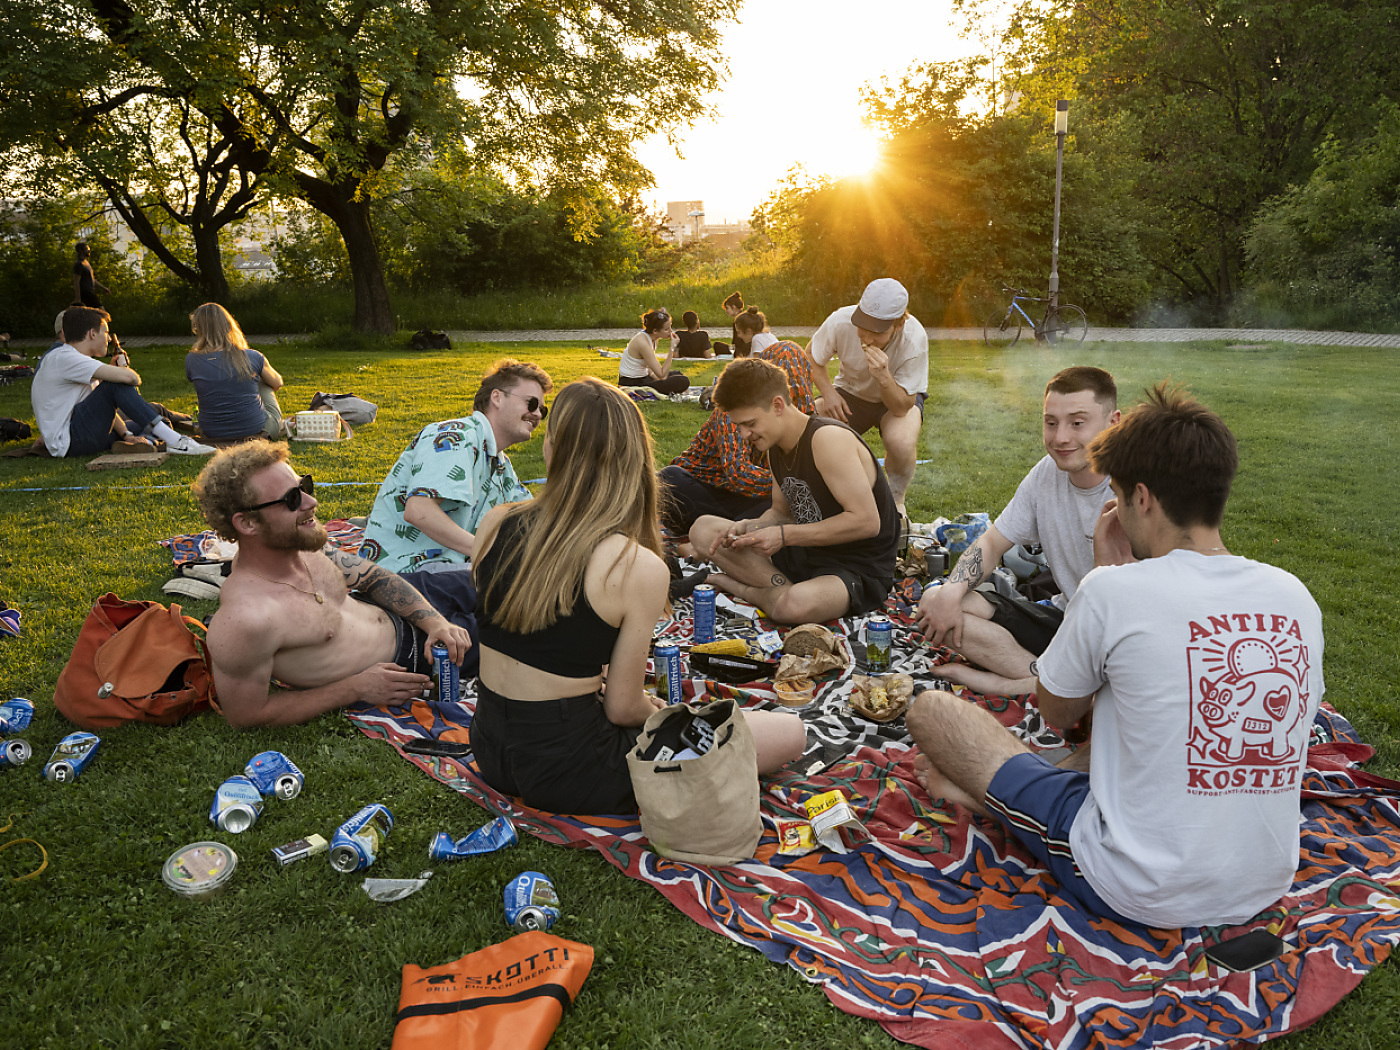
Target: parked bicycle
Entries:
(1061, 324)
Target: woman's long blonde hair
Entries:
(216, 331)
(602, 480)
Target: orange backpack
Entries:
(509, 996)
(134, 661)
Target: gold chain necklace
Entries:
(315, 594)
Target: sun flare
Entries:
(842, 153)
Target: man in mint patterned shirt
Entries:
(428, 508)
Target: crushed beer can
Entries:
(237, 805)
(15, 715)
(494, 835)
(531, 902)
(15, 752)
(273, 773)
(356, 843)
(71, 757)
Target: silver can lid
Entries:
(345, 858)
(288, 787)
(17, 752)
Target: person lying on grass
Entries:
(286, 610)
(827, 546)
(1056, 505)
(572, 583)
(1203, 673)
(431, 503)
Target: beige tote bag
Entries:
(701, 810)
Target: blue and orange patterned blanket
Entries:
(947, 933)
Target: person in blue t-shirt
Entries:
(237, 387)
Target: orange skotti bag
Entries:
(509, 996)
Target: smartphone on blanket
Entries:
(426, 745)
(1249, 951)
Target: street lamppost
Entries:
(1061, 128)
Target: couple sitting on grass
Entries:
(84, 406)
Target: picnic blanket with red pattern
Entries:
(947, 933)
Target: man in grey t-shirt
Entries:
(1057, 505)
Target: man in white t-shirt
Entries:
(1203, 673)
(883, 378)
(1056, 505)
(76, 397)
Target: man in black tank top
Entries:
(827, 547)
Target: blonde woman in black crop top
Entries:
(570, 585)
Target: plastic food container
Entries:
(200, 870)
(322, 425)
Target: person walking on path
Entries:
(85, 284)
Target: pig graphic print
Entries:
(1249, 691)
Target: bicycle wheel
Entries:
(1002, 329)
(1070, 326)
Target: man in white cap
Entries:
(883, 378)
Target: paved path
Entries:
(620, 336)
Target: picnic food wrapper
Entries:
(830, 814)
(881, 698)
(795, 837)
(963, 531)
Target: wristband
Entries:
(782, 537)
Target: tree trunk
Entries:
(336, 201)
(209, 261)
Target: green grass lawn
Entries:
(99, 954)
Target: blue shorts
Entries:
(1038, 803)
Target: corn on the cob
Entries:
(723, 647)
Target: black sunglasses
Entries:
(532, 404)
(292, 499)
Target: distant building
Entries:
(685, 222)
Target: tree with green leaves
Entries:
(333, 101)
(961, 202)
(1225, 102)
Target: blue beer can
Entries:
(237, 805)
(703, 623)
(15, 715)
(531, 903)
(15, 752)
(494, 835)
(879, 637)
(447, 674)
(668, 673)
(273, 773)
(357, 842)
(71, 757)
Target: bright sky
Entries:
(795, 70)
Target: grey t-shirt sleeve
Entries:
(911, 372)
(1017, 523)
(822, 347)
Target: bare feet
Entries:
(987, 683)
(940, 787)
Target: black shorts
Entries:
(453, 596)
(867, 593)
(560, 755)
(1031, 624)
(866, 414)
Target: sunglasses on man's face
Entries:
(532, 404)
(292, 498)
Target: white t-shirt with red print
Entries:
(1209, 675)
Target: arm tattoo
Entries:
(969, 569)
(384, 588)
(778, 580)
(1035, 668)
